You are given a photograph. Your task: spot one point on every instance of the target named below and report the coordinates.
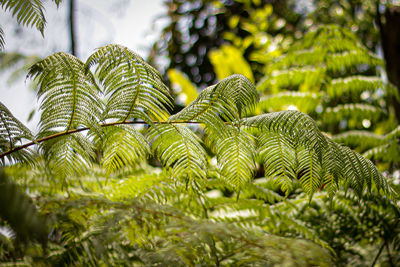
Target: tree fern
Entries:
(352, 113)
(330, 61)
(235, 155)
(228, 100)
(133, 89)
(179, 148)
(120, 115)
(12, 134)
(122, 146)
(72, 102)
(279, 159)
(69, 95)
(28, 13)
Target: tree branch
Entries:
(40, 140)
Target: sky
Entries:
(100, 22)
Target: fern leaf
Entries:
(356, 112)
(68, 155)
(133, 88)
(12, 133)
(27, 12)
(359, 139)
(303, 101)
(293, 77)
(260, 191)
(228, 100)
(69, 95)
(293, 124)
(122, 145)
(310, 171)
(17, 210)
(235, 155)
(354, 85)
(279, 159)
(180, 149)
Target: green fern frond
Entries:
(312, 76)
(180, 149)
(228, 100)
(279, 158)
(17, 210)
(354, 85)
(235, 156)
(299, 127)
(69, 95)
(395, 133)
(122, 146)
(323, 162)
(303, 101)
(357, 171)
(68, 155)
(12, 133)
(357, 112)
(133, 88)
(310, 171)
(27, 12)
(338, 61)
(386, 147)
(359, 139)
(260, 191)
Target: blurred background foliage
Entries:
(331, 59)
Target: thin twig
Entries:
(40, 140)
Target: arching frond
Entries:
(310, 171)
(322, 162)
(179, 148)
(359, 139)
(12, 133)
(302, 101)
(358, 172)
(122, 146)
(17, 210)
(68, 155)
(356, 112)
(235, 156)
(228, 100)
(279, 158)
(133, 88)
(299, 127)
(355, 85)
(310, 76)
(69, 95)
(27, 12)
(260, 190)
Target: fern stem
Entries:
(49, 137)
(378, 254)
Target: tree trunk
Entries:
(72, 28)
(390, 33)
